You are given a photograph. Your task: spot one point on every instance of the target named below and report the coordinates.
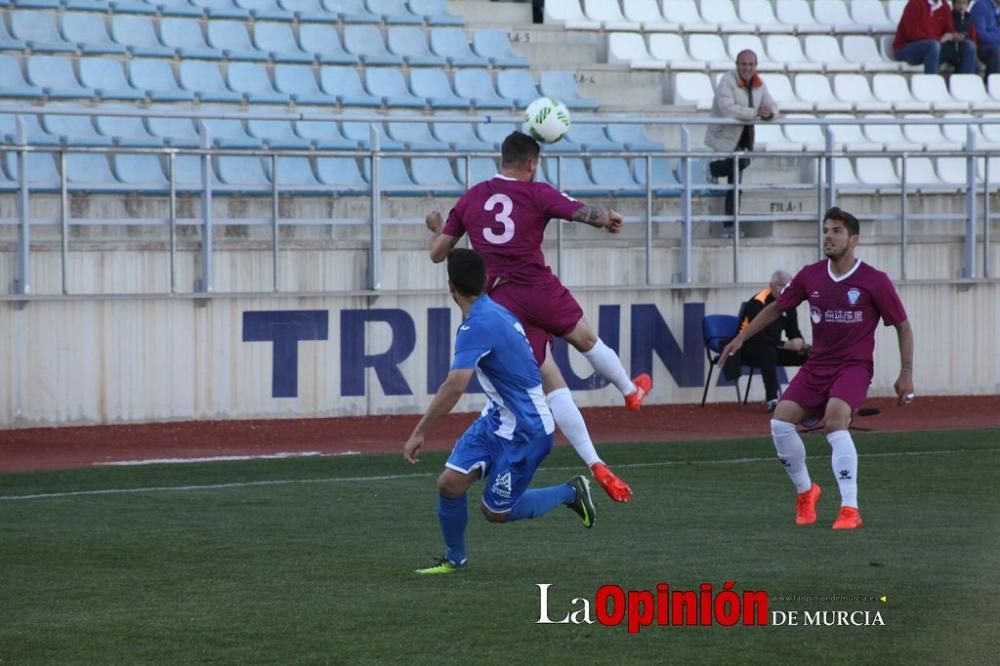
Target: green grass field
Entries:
(311, 560)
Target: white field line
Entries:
(396, 477)
(262, 456)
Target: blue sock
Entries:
(453, 515)
(539, 501)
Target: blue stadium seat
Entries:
(277, 134)
(493, 134)
(593, 138)
(434, 12)
(41, 171)
(351, 11)
(360, 132)
(664, 180)
(187, 173)
(294, 173)
(410, 44)
(128, 131)
(139, 36)
(278, 41)
(107, 78)
(176, 8)
(342, 174)
(614, 174)
(564, 145)
(476, 85)
(495, 45)
(228, 132)
(221, 9)
(33, 130)
(73, 130)
(89, 32)
(7, 41)
(175, 131)
(252, 81)
(12, 80)
(483, 168)
(184, 35)
(414, 136)
(634, 137)
(241, 173)
(38, 30)
(91, 172)
(517, 85)
(345, 83)
(563, 87)
(460, 136)
(54, 74)
(433, 86)
(205, 80)
(575, 179)
(309, 11)
(324, 135)
(388, 84)
(141, 172)
(299, 82)
(434, 174)
(365, 42)
(265, 10)
(453, 45)
(323, 42)
(156, 79)
(87, 5)
(394, 178)
(394, 11)
(132, 7)
(232, 38)
(36, 4)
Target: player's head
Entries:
(779, 279)
(466, 273)
(841, 233)
(519, 155)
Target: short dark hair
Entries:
(518, 149)
(841, 215)
(467, 272)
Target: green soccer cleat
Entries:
(442, 566)
(584, 503)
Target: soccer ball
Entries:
(546, 120)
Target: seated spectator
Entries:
(925, 27)
(765, 350)
(985, 15)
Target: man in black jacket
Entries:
(765, 350)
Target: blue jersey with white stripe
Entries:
(492, 341)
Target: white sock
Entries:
(608, 365)
(792, 453)
(845, 466)
(569, 419)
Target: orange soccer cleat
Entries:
(616, 489)
(805, 505)
(643, 385)
(848, 519)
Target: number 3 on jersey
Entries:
(503, 217)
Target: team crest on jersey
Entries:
(815, 314)
(853, 295)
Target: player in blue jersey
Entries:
(508, 442)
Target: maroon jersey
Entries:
(844, 311)
(506, 219)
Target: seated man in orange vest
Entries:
(765, 350)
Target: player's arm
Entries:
(767, 316)
(441, 243)
(447, 396)
(904, 384)
(601, 218)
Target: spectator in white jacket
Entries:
(741, 94)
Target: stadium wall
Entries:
(126, 359)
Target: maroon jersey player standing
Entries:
(847, 297)
(505, 217)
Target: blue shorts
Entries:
(507, 467)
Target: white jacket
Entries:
(731, 101)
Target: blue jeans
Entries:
(990, 56)
(928, 53)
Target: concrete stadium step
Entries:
(484, 13)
